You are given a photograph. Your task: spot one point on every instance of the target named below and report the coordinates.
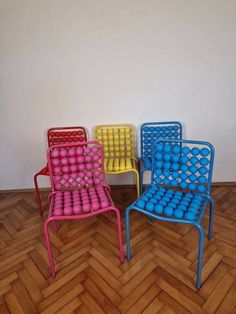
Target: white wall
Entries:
(88, 62)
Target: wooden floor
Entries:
(90, 279)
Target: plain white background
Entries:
(87, 62)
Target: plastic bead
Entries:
(68, 211)
(193, 169)
(178, 214)
(184, 159)
(76, 209)
(167, 148)
(185, 150)
(176, 149)
(205, 152)
(204, 161)
(168, 211)
(184, 167)
(194, 160)
(201, 188)
(150, 206)
(140, 203)
(183, 176)
(158, 209)
(192, 186)
(175, 166)
(79, 151)
(202, 170)
(183, 185)
(195, 151)
(189, 216)
(192, 177)
(58, 212)
(63, 152)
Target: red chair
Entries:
(58, 135)
(79, 189)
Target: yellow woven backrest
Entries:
(118, 140)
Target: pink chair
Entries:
(58, 135)
(79, 189)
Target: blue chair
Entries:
(180, 188)
(149, 133)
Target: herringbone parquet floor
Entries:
(90, 279)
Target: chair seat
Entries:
(119, 164)
(171, 204)
(82, 201)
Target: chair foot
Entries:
(210, 219)
(127, 226)
(200, 255)
(38, 198)
(119, 229)
(49, 248)
(128, 258)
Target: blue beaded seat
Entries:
(180, 188)
(149, 133)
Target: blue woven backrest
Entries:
(152, 131)
(183, 163)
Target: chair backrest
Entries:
(152, 131)
(64, 135)
(185, 164)
(76, 165)
(118, 140)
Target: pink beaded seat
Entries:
(79, 189)
(80, 201)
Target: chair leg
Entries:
(109, 189)
(49, 248)
(141, 173)
(38, 198)
(119, 233)
(200, 255)
(109, 214)
(127, 227)
(142, 179)
(210, 219)
(137, 183)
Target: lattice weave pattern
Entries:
(76, 165)
(66, 135)
(188, 167)
(119, 146)
(80, 201)
(152, 132)
(170, 203)
(117, 141)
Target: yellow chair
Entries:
(118, 142)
